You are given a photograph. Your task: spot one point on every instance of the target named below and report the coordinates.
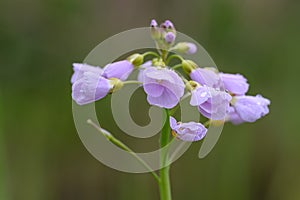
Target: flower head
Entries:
(189, 132)
(234, 83)
(250, 108)
(120, 70)
(211, 103)
(80, 68)
(163, 86)
(90, 87)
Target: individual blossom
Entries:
(250, 108)
(234, 83)
(80, 68)
(190, 131)
(206, 76)
(163, 87)
(211, 103)
(91, 87)
(120, 70)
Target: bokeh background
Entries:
(41, 155)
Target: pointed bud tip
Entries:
(153, 23)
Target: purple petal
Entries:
(89, 88)
(234, 83)
(154, 90)
(173, 123)
(167, 100)
(80, 68)
(120, 70)
(205, 76)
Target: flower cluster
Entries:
(217, 96)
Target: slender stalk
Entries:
(150, 53)
(132, 82)
(120, 144)
(177, 66)
(164, 184)
(171, 57)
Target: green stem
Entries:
(174, 56)
(164, 184)
(150, 53)
(164, 55)
(132, 82)
(177, 66)
(120, 144)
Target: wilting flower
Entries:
(163, 86)
(120, 70)
(211, 103)
(80, 68)
(250, 108)
(190, 131)
(234, 83)
(206, 76)
(90, 87)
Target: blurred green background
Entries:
(41, 155)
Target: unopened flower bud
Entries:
(158, 62)
(116, 84)
(169, 25)
(153, 23)
(185, 47)
(155, 32)
(170, 37)
(191, 85)
(188, 66)
(136, 59)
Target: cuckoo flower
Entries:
(234, 83)
(250, 108)
(205, 76)
(91, 87)
(190, 131)
(120, 70)
(80, 68)
(211, 103)
(163, 86)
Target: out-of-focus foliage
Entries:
(41, 155)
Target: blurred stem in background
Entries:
(3, 164)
